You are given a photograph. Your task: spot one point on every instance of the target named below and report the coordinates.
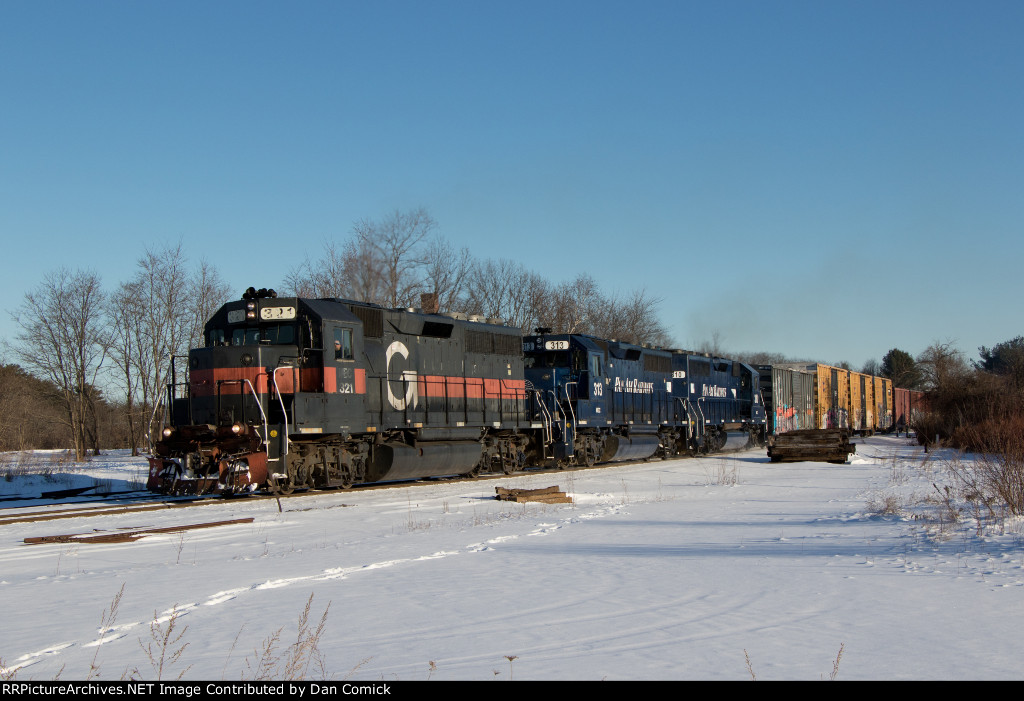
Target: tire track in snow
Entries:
(112, 633)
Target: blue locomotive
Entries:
(608, 401)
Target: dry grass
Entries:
(295, 661)
(832, 676)
(165, 648)
(724, 472)
(885, 505)
(995, 475)
(107, 620)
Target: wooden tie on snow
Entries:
(547, 495)
(813, 444)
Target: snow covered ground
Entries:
(713, 568)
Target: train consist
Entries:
(295, 393)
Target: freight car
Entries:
(908, 405)
(295, 393)
(815, 396)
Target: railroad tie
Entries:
(546, 495)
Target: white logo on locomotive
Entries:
(408, 378)
(633, 386)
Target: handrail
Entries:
(568, 400)
(546, 418)
(259, 405)
(280, 399)
(703, 418)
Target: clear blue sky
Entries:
(827, 179)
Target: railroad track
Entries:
(53, 512)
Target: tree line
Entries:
(395, 260)
(91, 364)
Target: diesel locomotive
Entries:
(294, 393)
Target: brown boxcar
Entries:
(908, 405)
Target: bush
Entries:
(996, 475)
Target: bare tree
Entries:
(576, 307)
(208, 293)
(125, 342)
(335, 273)
(503, 289)
(388, 262)
(162, 311)
(635, 320)
(942, 366)
(396, 242)
(445, 273)
(62, 340)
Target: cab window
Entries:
(276, 335)
(343, 344)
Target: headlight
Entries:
(168, 432)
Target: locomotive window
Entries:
(343, 344)
(245, 337)
(283, 335)
(579, 360)
(215, 337)
(274, 335)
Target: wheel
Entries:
(280, 487)
(587, 456)
(509, 461)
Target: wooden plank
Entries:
(127, 536)
(502, 491)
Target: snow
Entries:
(682, 569)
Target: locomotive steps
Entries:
(547, 495)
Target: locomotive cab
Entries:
(248, 390)
(599, 395)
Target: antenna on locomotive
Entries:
(542, 330)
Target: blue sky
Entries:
(824, 179)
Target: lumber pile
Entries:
(547, 495)
(817, 445)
